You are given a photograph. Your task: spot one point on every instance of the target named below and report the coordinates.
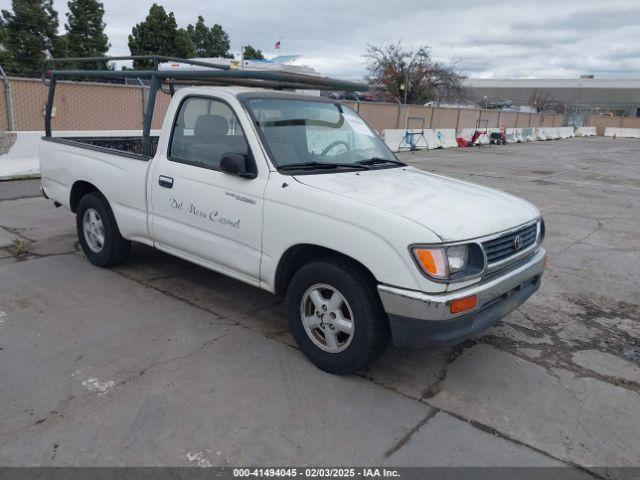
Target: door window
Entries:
(204, 131)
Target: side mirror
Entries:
(236, 164)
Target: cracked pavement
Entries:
(160, 362)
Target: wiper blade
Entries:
(380, 160)
(313, 165)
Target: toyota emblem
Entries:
(518, 242)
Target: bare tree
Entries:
(543, 102)
(408, 76)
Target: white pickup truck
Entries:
(298, 196)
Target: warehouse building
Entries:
(586, 95)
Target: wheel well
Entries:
(79, 190)
(299, 255)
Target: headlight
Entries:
(457, 257)
(452, 263)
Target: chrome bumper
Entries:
(435, 307)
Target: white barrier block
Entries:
(447, 137)
(514, 135)
(392, 138)
(397, 139)
(466, 133)
(566, 132)
(586, 132)
(622, 132)
(528, 134)
(550, 133)
(520, 135)
(433, 141)
(19, 154)
(545, 133)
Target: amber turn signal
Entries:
(462, 304)
(433, 261)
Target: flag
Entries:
(278, 45)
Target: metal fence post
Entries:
(8, 99)
(144, 100)
(457, 120)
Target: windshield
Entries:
(301, 133)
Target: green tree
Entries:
(29, 35)
(251, 53)
(159, 34)
(85, 31)
(5, 56)
(209, 42)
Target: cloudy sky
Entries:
(532, 38)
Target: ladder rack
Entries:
(215, 74)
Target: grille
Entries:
(503, 247)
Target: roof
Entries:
(604, 83)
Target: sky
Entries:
(486, 39)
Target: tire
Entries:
(360, 305)
(100, 240)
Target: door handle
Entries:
(166, 182)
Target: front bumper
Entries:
(419, 319)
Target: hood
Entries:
(452, 209)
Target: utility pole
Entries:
(406, 84)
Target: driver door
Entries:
(197, 211)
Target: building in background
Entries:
(576, 98)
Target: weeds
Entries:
(19, 247)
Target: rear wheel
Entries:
(98, 232)
(336, 316)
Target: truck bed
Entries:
(112, 162)
(128, 145)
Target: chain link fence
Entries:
(382, 116)
(78, 106)
(94, 106)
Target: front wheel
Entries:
(336, 316)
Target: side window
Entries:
(204, 131)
